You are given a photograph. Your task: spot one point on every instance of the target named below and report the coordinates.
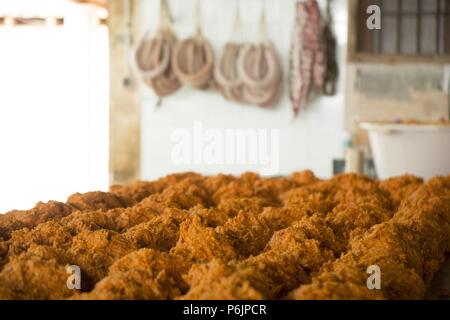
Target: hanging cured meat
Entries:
(261, 72)
(332, 71)
(259, 68)
(193, 58)
(308, 54)
(153, 57)
(226, 75)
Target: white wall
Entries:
(309, 142)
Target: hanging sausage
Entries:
(332, 71)
(307, 55)
(153, 56)
(193, 58)
(260, 70)
(225, 72)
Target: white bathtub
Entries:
(422, 150)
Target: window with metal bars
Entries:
(409, 28)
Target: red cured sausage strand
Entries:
(308, 54)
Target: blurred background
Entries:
(76, 113)
(54, 100)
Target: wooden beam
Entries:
(352, 45)
(125, 116)
(102, 3)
